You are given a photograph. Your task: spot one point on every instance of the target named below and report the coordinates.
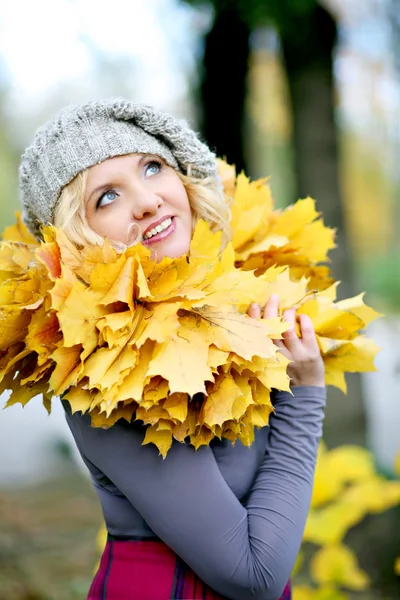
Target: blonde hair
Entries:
(206, 199)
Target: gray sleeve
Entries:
(244, 550)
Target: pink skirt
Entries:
(148, 570)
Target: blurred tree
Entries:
(223, 87)
(307, 32)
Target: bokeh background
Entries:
(305, 92)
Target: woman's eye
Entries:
(106, 198)
(153, 167)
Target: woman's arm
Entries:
(242, 551)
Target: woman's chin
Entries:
(170, 250)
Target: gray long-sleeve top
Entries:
(234, 514)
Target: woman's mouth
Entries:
(159, 232)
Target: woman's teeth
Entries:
(164, 225)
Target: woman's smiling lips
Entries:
(161, 235)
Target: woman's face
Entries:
(139, 189)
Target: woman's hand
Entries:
(307, 366)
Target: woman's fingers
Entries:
(254, 311)
(271, 308)
(308, 333)
(290, 317)
(290, 337)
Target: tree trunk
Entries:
(223, 88)
(309, 62)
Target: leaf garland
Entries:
(170, 343)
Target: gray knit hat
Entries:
(84, 135)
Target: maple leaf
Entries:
(19, 232)
(160, 438)
(264, 237)
(339, 327)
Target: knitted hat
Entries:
(84, 135)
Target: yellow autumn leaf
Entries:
(162, 439)
(114, 281)
(161, 323)
(336, 564)
(49, 254)
(13, 328)
(314, 239)
(230, 331)
(153, 415)
(23, 394)
(356, 356)
(205, 246)
(296, 217)
(67, 370)
(79, 399)
(79, 315)
(344, 350)
(357, 306)
(15, 259)
(103, 367)
(202, 436)
(19, 232)
(227, 175)
(275, 374)
(330, 322)
(218, 406)
(182, 361)
(291, 293)
(251, 206)
(176, 406)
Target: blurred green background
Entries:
(305, 92)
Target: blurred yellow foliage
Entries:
(329, 524)
(336, 468)
(304, 592)
(337, 565)
(347, 487)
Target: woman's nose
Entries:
(145, 202)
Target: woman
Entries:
(224, 521)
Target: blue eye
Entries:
(153, 167)
(106, 198)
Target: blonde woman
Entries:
(223, 521)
